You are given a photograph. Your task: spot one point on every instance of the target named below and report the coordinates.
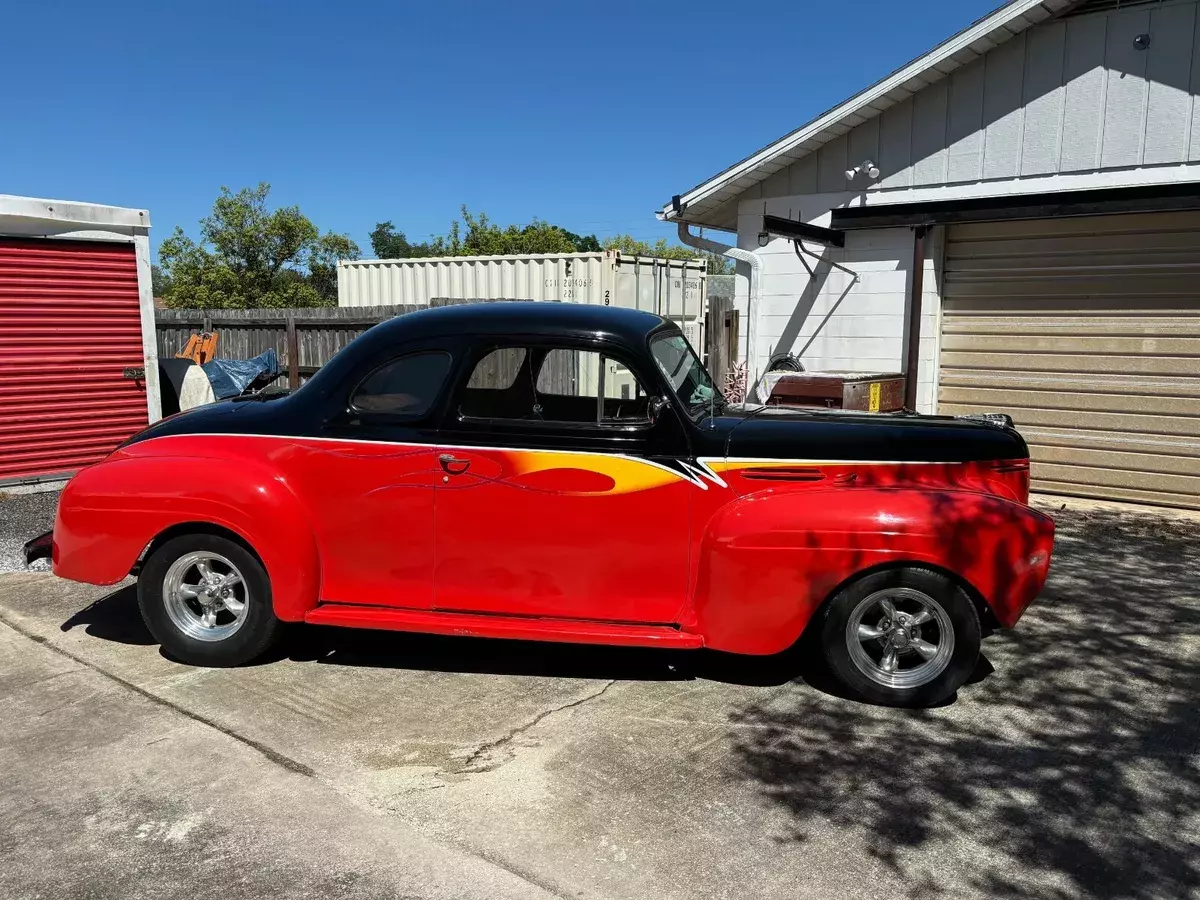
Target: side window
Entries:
(406, 386)
(499, 369)
(561, 371)
(577, 386)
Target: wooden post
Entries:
(293, 354)
(913, 361)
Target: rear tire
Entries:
(207, 601)
(902, 637)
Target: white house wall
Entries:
(832, 321)
(1072, 96)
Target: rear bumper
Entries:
(41, 547)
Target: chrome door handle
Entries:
(452, 465)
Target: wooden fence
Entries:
(306, 339)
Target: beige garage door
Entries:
(1086, 331)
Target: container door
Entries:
(70, 335)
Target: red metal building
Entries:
(78, 364)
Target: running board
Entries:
(518, 628)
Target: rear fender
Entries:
(769, 560)
(109, 513)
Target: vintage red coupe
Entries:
(564, 473)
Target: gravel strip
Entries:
(23, 516)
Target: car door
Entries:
(560, 496)
(371, 477)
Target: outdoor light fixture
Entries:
(866, 167)
(764, 238)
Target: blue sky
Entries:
(587, 115)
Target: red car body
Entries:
(727, 530)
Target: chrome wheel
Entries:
(900, 638)
(205, 596)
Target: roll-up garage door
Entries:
(70, 324)
(1087, 331)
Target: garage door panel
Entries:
(1045, 306)
(1049, 324)
(1070, 249)
(1154, 285)
(1065, 362)
(1133, 227)
(1115, 492)
(1185, 485)
(1055, 382)
(1047, 416)
(1087, 332)
(1106, 451)
(1076, 344)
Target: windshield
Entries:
(686, 374)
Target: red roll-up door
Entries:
(70, 324)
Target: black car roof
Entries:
(523, 317)
(547, 319)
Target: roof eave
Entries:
(941, 55)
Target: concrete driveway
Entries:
(356, 764)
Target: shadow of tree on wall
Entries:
(1074, 771)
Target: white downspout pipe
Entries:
(752, 301)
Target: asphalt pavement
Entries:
(368, 764)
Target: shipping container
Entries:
(670, 287)
(78, 359)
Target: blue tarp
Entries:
(229, 377)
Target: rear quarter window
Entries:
(407, 386)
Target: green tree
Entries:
(388, 243)
(160, 283)
(477, 235)
(249, 256)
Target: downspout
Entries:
(752, 302)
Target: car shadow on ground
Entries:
(1073, 774)
(115, 617)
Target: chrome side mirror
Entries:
(655, 407)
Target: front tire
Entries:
(207, 601)
(902, 637)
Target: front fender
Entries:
(110, 512)
(769, 560)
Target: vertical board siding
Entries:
(895, 145)
(929, 134)
(1002, 109)
(832, 165)
(864, 142)
(964, 130)
(1083, 74)
(1069, 95)
(1043, 99)
(803, 176)
(1125, 96)
(1168, 71)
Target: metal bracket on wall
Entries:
(801, 251)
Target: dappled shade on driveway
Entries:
(1082, 779)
